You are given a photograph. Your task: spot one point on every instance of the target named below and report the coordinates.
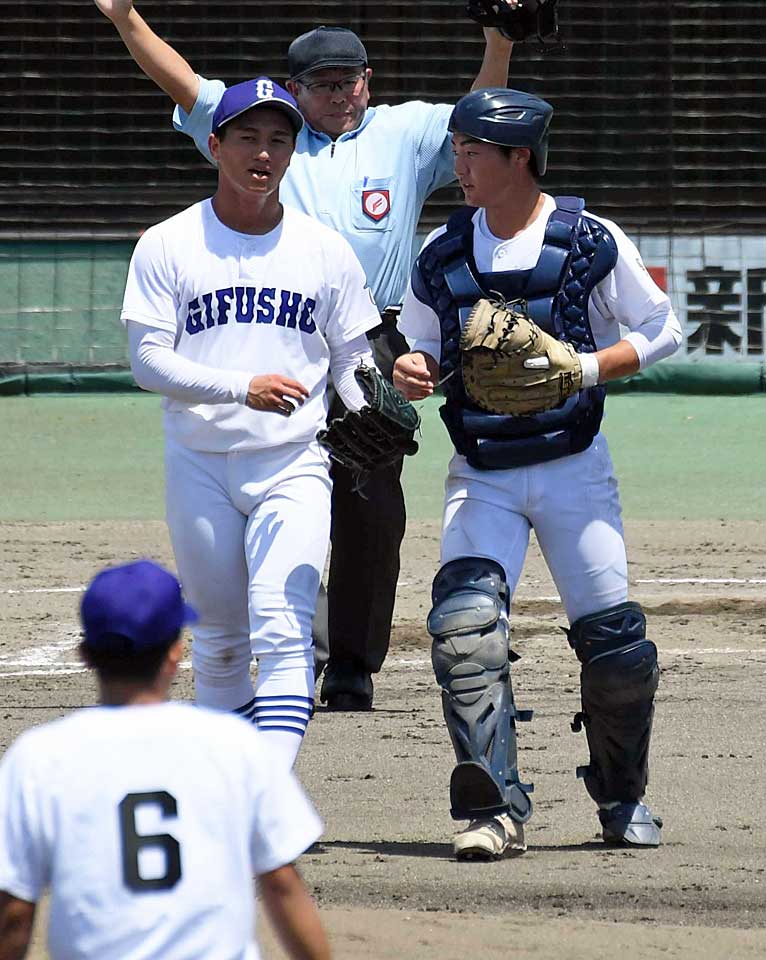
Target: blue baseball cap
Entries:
(256, 93)
(138, 601)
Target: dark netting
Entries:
(659, 106)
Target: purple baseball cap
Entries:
(139, 601)
(255, 93)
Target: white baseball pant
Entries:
(250, 533)
(573, 505)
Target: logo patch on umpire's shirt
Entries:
(376, 203)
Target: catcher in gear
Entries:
(517, 305)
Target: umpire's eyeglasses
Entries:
(348, 85)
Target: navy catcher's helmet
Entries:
(510, 118)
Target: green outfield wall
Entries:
(60, 305)
(60, 301)
(60, 331)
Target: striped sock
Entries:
(282, 720)
(287, 713)
(283, 701)
(246, 711)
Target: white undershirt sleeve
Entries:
(25, 860)
(418, 321)
(629, 295)
(344, 360)
(659, 336)
(284, 822)
(432, 347)
(157, 367)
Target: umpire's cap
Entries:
(132, 609)
(325, 47)
(510, 118)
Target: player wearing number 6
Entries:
(118, 809)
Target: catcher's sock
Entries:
(284, 701)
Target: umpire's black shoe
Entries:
(346, 686)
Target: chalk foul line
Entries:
(667, 581)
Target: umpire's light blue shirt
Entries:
(370, 184)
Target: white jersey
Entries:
(627, 296)
(148, 824)
(252, 304)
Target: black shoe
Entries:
(346, 686)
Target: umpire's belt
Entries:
(388, 321)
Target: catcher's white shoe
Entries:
(490, 839)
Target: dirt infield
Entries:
(383, 872)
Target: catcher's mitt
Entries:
(518, 19)
(512, 366)
(377, 435)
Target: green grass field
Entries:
(99, 457)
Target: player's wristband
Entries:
(590, 370)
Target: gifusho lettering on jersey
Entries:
(248, 304)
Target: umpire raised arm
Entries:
(366, 172)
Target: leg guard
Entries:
(618, 679)
(472, 659)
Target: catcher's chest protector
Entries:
(577, 253)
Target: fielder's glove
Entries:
(379, 434)
(512, 366)
(518, 19)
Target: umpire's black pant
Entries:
(353, 620)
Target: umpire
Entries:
(366, 172)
